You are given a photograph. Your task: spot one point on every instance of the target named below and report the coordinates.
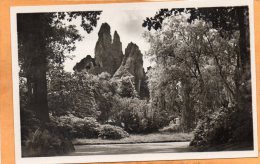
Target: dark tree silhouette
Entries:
(42, 39)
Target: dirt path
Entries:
(108, 149)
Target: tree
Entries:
(43, 39)
(72, 93)
(217, 59)
(189, 71)
(226, 20)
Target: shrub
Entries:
(45, 142)
(72, 93)
(214, 129)
(171, 128)
(104, 76)
(126, 86)
(112, 132)
(29, 123)
(135, 115)
(74, 127)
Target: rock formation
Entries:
(85, 64)
(132, 64)
(108, 54)
(109, 58)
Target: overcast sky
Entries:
(128, 24)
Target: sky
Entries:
(128, 24)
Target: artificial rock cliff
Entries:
(133, 64)
(108, 53)
(109, 58)
(85, 64)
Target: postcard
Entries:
(143, 81)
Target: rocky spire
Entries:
(116, 42)
(133, 64)
(109, 58)
(104, 29)
(117, 52)
(103, 45)
(85, 64)
(108, 54)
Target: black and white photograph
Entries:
(130, 82)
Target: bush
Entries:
(74, 127)
(72, 93)
(135, 115)
(46, 142)
(228, 125)
(112, 132)
(212, 130)
(126, 86)
(29, 123)
(171, 128)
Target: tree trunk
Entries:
(39, 85)
(40, 94)
(38, 73)
(243, 75)
(188, 115)
(244, 39)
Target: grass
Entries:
(139, 138)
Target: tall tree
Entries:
(43, 38)
(229, 22)
(189, 69)
(226, 19)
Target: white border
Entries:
(130, 157)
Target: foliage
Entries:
(139, 138)
(198, 76)
(223, 126)
(136, 116)
(214, 129)
(29, 123)
(225, 19)
(171, 128)
(46, 142)
(74, 127)
(43, 40)
(71, 93)
(98, 96)
(112, 132)
(81, 93)
(126, 87)
(194, 64)
(58, 36)
(23, 93)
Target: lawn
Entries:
(138, 138)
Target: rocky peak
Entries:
(108, 55)
(117, 45)
(85, 64)
(133, 51)
(117, 51)
(109, 58)
(104, 29)
(104, 40)
(116, 38)
(133, 64)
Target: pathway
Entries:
(108, 149)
